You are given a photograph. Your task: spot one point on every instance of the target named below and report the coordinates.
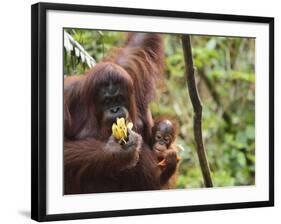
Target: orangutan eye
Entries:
(167, 139)
(120, 99)
(158, 137)
(106, 101)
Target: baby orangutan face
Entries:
(164, 134)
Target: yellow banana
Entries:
(120, 129)
(116, 132)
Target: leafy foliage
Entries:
(225, 74)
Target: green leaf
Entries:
(241, 138)
(241, 159)
(250, 132)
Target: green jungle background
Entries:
(225, 74)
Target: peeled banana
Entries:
(120, 130)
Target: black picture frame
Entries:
(39, 122)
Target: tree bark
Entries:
(197, 107)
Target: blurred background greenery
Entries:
(225, 75)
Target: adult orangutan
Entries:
(120, 86)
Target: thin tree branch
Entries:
(197, 107)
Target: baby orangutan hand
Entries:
(170, 158)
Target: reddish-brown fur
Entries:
(93, 162)
(168, 152)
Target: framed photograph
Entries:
(138, 111)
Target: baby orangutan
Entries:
(164, 134)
